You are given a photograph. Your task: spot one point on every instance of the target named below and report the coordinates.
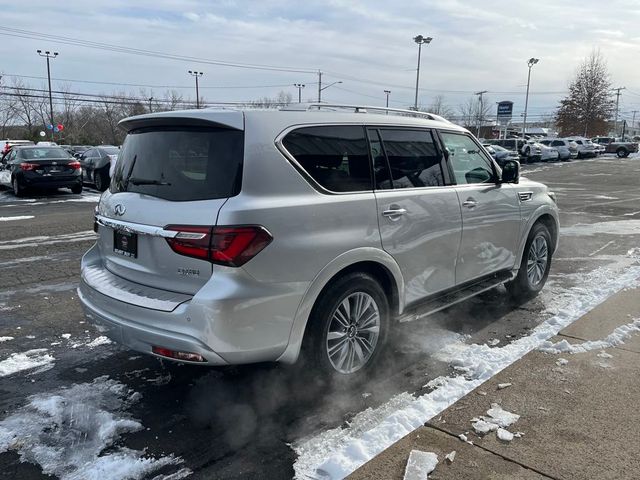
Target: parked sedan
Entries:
(96, 163)
(40, 167)
(586, 148)
(501, 154)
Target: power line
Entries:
(15, 32)
(70, 80)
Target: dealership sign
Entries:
(505, 110)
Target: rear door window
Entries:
(180, 163)
(335, 156)
(414, 160)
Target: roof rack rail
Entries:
(303, 107)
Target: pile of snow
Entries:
(72, 433)
(5, 339)
(19, 362)
(335, 453)
(496, 419)
(615, 338)
(420, 465)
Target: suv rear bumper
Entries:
(232, 319)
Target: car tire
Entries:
(622, 153)
(101, 179)
(18, 188)
(535, 265)
(77, 189)
(338, 345)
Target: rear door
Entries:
(167, 179)
(490, 211)
(418, 215)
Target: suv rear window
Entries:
(336, 157)
(180, 163)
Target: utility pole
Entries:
(47, 54)
(615, 123)
(387, 93)
(299, 86)
(419, 40)
(150, 100)
(480, 112)
(320, 86)
(633, 121)
(193, 73)
(530, 63)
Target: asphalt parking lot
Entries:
(241, 422)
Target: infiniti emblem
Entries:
(119, 209)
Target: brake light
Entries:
(27, 167)
(74, 165)
(229, 246)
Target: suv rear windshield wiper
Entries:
(146, 181)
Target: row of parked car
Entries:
(46, 165)
(554, 149)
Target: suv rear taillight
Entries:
(74, 165)
(230, 246)
(27, 167)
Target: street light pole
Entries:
(299, 86)
(150, 100)
(325, 87)
(193, 73)
(419, 40)
(530, 63)
(387, 93)
(47, 54)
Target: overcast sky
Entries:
(478, 45)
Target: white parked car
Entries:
(567, 149)
(541, 151)
(586, 148)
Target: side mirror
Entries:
(511, 171)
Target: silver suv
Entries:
(231, 237)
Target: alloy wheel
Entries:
(353, 333)
(537, 260)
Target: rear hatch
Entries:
(169, 178)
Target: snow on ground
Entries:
(420, 465)
(17, 217)
(72, 433)
(616, 227)
(19, 362)
(335, 453)
(5, 339)
(615, 338)
(47, 240)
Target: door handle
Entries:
(470, 203)
(394, 212)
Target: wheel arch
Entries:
(549, 218)
(373, 261)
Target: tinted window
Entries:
(468, 162)
(334, 156)
(180, 164)
(43, 153)
(413, 158)
(382, 174)
(557, 143)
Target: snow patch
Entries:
(68, 431)
(502, 386)
(338, 452)
(19, 362)
(504, 435)
(102, 340)
(450, 457)
(562, 361)
(420, 465)
(17, 217)
(5, 339)
(615, 338)
(616, 227)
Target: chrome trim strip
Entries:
(135, 227)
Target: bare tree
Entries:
(439, 107)
(589, 105)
